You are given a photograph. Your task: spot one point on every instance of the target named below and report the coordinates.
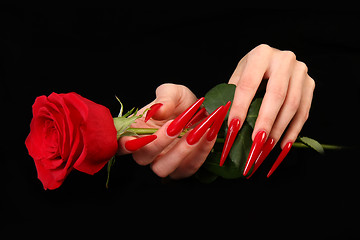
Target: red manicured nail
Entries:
(200, 115)
(234, 128)
(153, 109)
(135, 144)
(280, 158)
(195, 135)
(268, 146)
(179, 123)
(256, 147)
(218, 122)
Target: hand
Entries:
(287, 101)
(168, 154)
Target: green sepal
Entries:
(109, 165)
(123, 123)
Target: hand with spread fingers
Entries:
(286, 105)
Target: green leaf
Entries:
(312, 144)
(241, 148)
(253, 111)
(205, 176)
(235, 163)
(219, 95)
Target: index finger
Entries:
(248, 81)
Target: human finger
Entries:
(191, 144)
(194, 160)
(296, 124)
(171, 100)
(166, 135)
(148, 153)
(128, 145)
(248, 81)
(281, 68)
(238, 71)
(276, 91)
(302, 114)
(292, 101)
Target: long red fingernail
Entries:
(234, 128)
(195, 135)
(200, 115)
(280, 158)
(179, 123)
(135, 144)
(153, 109)
(268, 146)
(218, 122)
(256, 147)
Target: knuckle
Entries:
(277, 93)
(306, 116)
(275, 134)
(288, 55)
(158, 170)
(302, 67)
(303, 116)
(193, 166)
(242, 60)
(238, 110)
(247, 83)
(262, 49)
(264, 122)
(312, 84)
(141, 160)
(163, 86)
(293, 103)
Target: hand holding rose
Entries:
(169, 155)
(71, 132)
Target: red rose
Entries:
(68, 131)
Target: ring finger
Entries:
(302, 114)
(291, 102)
(190, 164)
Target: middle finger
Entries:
(276, 91)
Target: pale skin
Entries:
(286, 105)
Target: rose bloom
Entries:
(68, 131)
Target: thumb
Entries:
(175, 99)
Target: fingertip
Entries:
(236, 111)
(135, 144)
(175, 98)
(153, 110)
(121, 145)
(286, 141)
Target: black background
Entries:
(128, 51)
